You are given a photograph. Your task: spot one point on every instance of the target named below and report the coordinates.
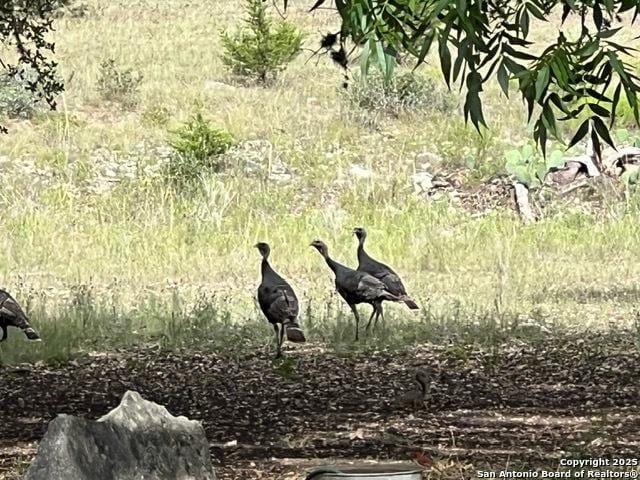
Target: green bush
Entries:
(261, 50)
(117, 84)
(16, 100)
(197, 146)
(403, 93)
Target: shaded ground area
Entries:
(513, 404)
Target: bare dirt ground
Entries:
(512, 405)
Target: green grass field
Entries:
(103, 253)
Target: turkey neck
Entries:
(333, 265)
(362, 255)
(265, 267)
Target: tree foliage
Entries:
(262, 49)
(572, 78)
(24, 25)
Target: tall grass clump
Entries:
(405, 92)
(119, 84)
(261, 50)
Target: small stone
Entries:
(216, 86)
(427, 161)
(360, 172)
(422, 182)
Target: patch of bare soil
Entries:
(266, 420)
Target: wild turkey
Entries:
(356, 287)
(415, 398)
(11, 315)
(382, 272)
(278, 302)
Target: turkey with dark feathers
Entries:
(356, 287)
(382, 272)
(278, 302)
(12, 315)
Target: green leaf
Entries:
(589, 49)
(580, 134)
(503, 79)
(542, 81)
(596, 144)
(365, 59)
(445, 59)
(315, 5)
(566, 10)
(518, 53)
(541, 172)
(524, 23)
(549, 119)
(473, 109)
(470, 162)
(597, 95)
(599, 110)
(473, 104)
(513, 157)
(540, 135)
(559, 72)
(556, 159)
(622, 134)
(474, 82)
(554, 98)
(463, 54)
(617, 65)
(520, 172)
(514, 67)
(614, 103)
(536, 12)
(603, 34)
(574, 113)
(597, 15)
(603, 131)
(385, 61)
(527, 152)
(426, 46)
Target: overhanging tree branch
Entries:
(24, 25)
(476, 40)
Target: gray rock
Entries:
(422, 182)
(215, 86)
(280, 173)
(427, 161)
(360, 173)
(139, 440)
(259, 158)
